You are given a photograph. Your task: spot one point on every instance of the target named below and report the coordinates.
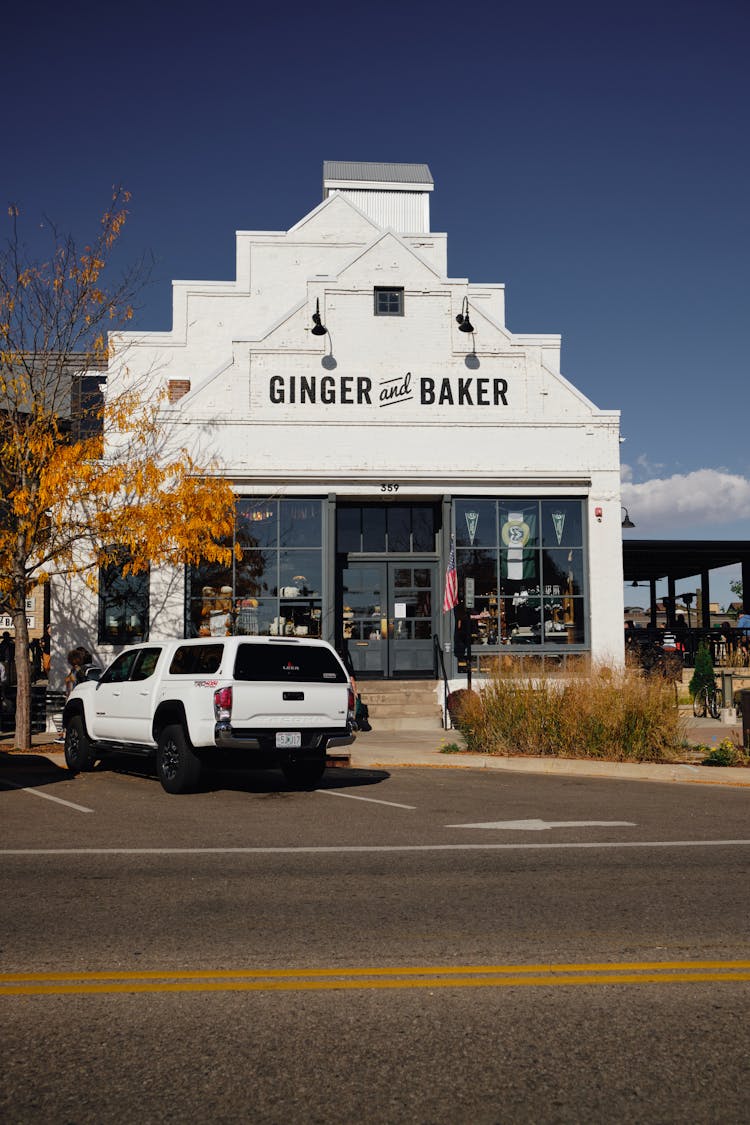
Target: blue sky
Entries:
(593, 157)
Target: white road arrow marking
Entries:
(543, 825)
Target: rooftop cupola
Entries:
(393, 195)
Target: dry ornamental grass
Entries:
(606, 713)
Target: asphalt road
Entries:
(359, 952)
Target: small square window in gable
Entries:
(389, 302)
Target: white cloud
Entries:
(673, 504)
(650, 467)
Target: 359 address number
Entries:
(389, 487)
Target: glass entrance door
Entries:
(389, 617)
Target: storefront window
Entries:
(524, 564)
(399, 529)
(373, 530)
(395, 529)
(476, 523)
(256, 523)
(275, 588)
(300, 523)
(349, 530)
(123, 602)
(562, 524)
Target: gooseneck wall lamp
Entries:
(627, 522)
(464, 324)
(318, 328)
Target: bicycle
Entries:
(708, 701)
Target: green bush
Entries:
(725, 754)
(703, 673)
(607, 713)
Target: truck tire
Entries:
(304, 774)
(79, 753)
(178, 767)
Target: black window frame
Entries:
(380, 291)
(529, 609)
(285, 592)
(123, 595)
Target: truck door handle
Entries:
(293, 695)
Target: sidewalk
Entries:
(389, 750)
(392, 750)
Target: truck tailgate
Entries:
(266, 704)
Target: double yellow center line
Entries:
(342, 979)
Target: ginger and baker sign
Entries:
(361, 390)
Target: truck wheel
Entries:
(79, 753)
(305, 774)
(177, 765)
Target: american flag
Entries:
(451, 581)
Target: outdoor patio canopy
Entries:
(648, 560)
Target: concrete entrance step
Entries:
(400, 705)
(386, 724)
(419, 698)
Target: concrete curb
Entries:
(422, 749)
(562, 767)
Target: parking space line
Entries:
(372, 800)
(47, 796)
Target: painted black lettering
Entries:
(276, 389)
(364, 386)
(346, 390)
(426, 391)
(328, 389)
(482, 392)
(307, 388)
(499, 388)
(446, 394)
(464, 392)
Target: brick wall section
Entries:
(176, 388)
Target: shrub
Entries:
(456, 702)
(703, 673)
(606, 713)
(725, 754)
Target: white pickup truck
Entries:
(279, 702)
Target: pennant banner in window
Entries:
(516, 530)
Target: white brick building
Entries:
(358, 452)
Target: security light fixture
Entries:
(627, 522)
(464, 324)
(318, 328)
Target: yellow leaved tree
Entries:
(81, 472)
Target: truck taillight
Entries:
(223, 703)
(351, 704)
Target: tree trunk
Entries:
(23, 668)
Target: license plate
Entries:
(288, 739)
